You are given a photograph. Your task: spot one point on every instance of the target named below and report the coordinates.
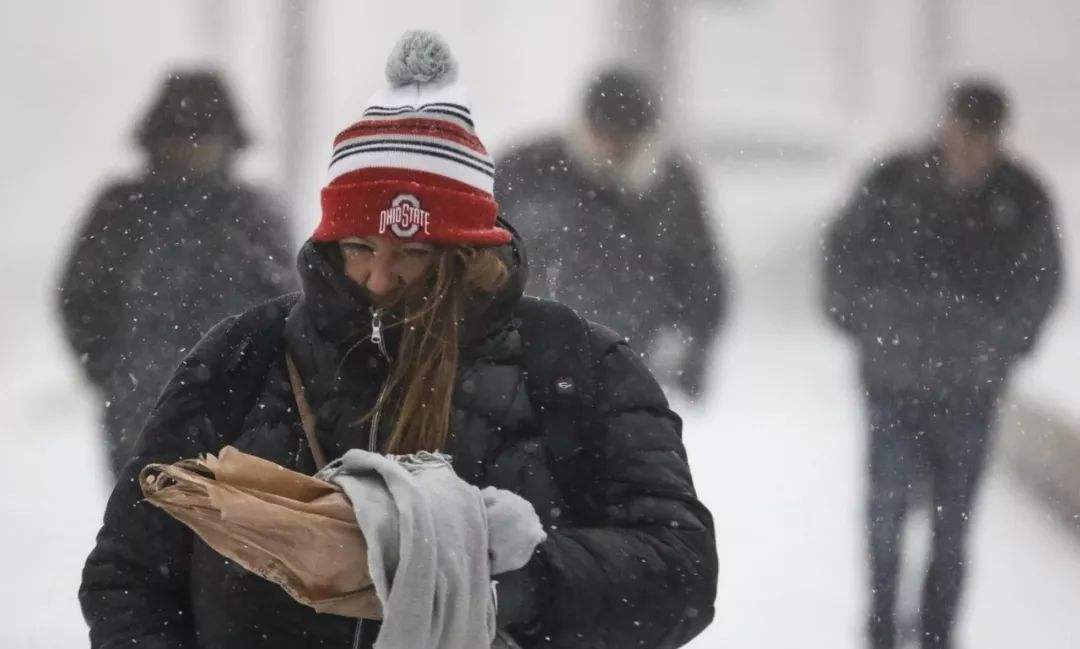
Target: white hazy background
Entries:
(782, 102)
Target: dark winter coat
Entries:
(942, 288)
(636, 262)
(155, 265)
(629, 559)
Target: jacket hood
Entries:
(340, 310)
(189, 105)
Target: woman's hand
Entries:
(514, 529)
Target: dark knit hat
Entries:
(980, 104)
(192, 104)
(622, 103)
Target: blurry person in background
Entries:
(942, 267)
(618, 228)
(161, 258)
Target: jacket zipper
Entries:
(373, 435)
(376, 331)
(380, 342)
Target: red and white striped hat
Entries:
(413, 167)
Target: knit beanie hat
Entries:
(192, 104)
(981, 104)
(413, 166)
(621, 102)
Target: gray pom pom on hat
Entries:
(420, 57)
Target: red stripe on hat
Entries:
(397, 174)
(422, 206)
(413, 126)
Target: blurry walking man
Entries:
(617, 228)
(942, 268)
(161, 258)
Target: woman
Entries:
(411, 334)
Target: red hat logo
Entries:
(404, 217)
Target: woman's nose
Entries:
(383, 277)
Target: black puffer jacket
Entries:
(942, 288)
(630, 557)
(156, 265)
(639, 262)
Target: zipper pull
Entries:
(376, 327)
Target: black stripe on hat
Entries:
(446, 104)
(401, 149)
(389, 109)
(435, 145)
(399, 106)
(451, 109)
(438, 104)
(464, 118)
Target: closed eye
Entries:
(418, 251)
(356, 247)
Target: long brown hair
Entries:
(421, 384)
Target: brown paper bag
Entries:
(290, 528)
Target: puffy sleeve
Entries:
(640, 568)
(1031, 282)
(134, 590)
(698, 277)
(91, 281)
(860, 286)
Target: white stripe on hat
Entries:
(451, 147)
(414, 158)
(434, 151)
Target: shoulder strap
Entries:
(254, 351)
(307, 418)
(559, 378)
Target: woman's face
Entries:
(385, 266)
